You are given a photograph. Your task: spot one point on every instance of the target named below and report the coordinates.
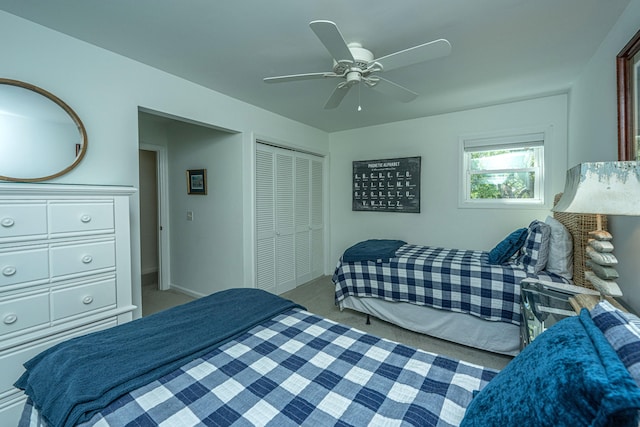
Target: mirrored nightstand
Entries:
(543, 304)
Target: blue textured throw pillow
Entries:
(568, 376)
(508, 247)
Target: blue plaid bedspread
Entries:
(302, 369)
(452, 279)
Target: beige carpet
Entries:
(318, 297)
(154, 300)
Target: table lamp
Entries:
(602, 188)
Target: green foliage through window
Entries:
(504, 173)
(502, 186)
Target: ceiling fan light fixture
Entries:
(353, 77)
(361, 60)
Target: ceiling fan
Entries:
(354, 64)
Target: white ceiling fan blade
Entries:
(394, 90)
(414, 55)
(332, 39)
(296, 77)
(337, 96)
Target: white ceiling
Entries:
(502, 50)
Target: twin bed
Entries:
(453, 294)
(245, 357)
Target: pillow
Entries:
(535, 251)
(508, 247)
(600, 235)
(602, 271)
(601, 245)
(560, 259)
(602, 258)
(633, 319)
(568, 376)
(621, 332)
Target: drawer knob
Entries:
(87, 300)
(9, 271)
(87, 259)
(85, 218)
(7, 222)
(10, 319)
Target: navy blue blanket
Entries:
(568, 376)
(372, 250)
(71, 381)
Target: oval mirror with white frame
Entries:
(41, 137)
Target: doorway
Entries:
(190, 226)
(154, 233)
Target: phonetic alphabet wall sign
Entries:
(387, 185)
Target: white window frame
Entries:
(510, 140)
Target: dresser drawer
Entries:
(12, 360)
(80, 258)
(23, 312)
(83, 298)
(67, 217)
(22, 266)
(22, 220)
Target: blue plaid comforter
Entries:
(301, 369)
(452, 279)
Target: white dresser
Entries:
(65, 270)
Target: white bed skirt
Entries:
(497, 337)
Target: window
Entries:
(503, 171)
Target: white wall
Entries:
(593, 137)
(106, 90)
(203, 258)
(436, 139)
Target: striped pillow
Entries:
(633, 319)
(622, 333)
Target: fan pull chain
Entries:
(359, 106)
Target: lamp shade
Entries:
(610, 188)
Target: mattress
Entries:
(465, 329)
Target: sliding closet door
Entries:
(317, 218)
(265, 220)
(303, 219)
(285, 225)
(309, 218)
(289, 218)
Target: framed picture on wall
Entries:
(387, 185)
(197, 181)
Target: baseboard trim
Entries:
(186, 291)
